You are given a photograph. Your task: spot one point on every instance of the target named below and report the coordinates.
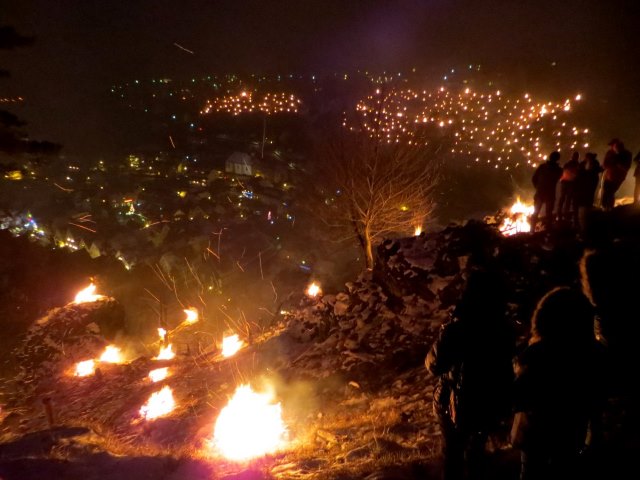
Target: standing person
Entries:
(559, 390)
(617, 163)
(567, 205)
(586, 185)
(472, 358)
(545, 180)
(636, 174)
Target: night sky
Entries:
(84, 46)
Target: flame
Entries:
(313, 290)
(162, 333)
(84, 369)
(417, 231)
(87, 295)
(160, 403)
(249, 426)
(192, 315)
(112, 354)
(518, 220)
(166, 353)
(231, 345)
(159, 374)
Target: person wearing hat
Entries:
(617, 163)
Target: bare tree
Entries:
(375, 188)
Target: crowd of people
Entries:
(551, 391)
(579, 182)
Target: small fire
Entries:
(417, 231)
(231, 345)
(249, 426)
(112, 354)
(86, 368)
(192, 315)
(313, 290)
(160, 403)
(166, 353)
(162, 333)
(518, 219)
(87, 295)
(159, 374)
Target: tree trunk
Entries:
(368, 250)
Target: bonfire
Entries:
(166, 353)
(313, 290)
(159, 374)
(85, 368)
(112, 354)
(417, 231)
(231, 345)
(160, 403)
(250, 426)
(192, 315)
(87, 295)
(518, 219)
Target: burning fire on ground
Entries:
(85, 368)
(159, 374)
(231, 345)
(518, 220)
(166, 353)
(313, 290)
(87, 295)
(192, 315)
(250, 426)
(160, 403)
(112, 354)
(417, 231)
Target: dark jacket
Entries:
(473, 359)
(586, 183)
(570, 171)
(546, 178)
(616, 166)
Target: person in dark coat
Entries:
(566, 206)
(545, 180)
(473, 359)
(586, 185)
(617, 163)
(560, 389)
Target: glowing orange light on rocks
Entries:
(231, 345)
(159, 374)
(313, 290)
(87, 295)
(112, 354)
(192, 315)
(160, 403)
(85, 368)
(166, 353)
(250, 426)
(518, 219)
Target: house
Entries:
(239, 164)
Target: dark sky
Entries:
(84, 46)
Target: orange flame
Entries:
(160, 403)
(231, 345)
(313, 290)
(112, 354)
(192, 315)
(166, 353)
(85, 368)
(417, 231)
(162, 333)
(87, 295)
(518, 220)
(249, 426)
(159, 374)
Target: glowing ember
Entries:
(313, 290)
(160, 403)
(192, 315)
(87, 295)
(249, 426)
(159, 374)
(518, 219)
(112, 355)
(417, 231)
(162, 333)
(86, 368)
(231, 345)
(166, 353)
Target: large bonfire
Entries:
(517, 219)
